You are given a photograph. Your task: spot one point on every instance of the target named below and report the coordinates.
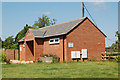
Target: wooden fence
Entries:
(114, 54)
(11, 54)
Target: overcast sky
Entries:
(16, 14)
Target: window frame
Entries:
(54, 41)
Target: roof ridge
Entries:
(63, 22)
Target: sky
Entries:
(15, 15)
(119, 17)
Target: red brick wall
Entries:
(29, 36)
(86, 36)
(36, 45)
(54, 48)
(38, 48)
(65, 49)
(22, 52)
(28, 53)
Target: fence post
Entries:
(14, 54)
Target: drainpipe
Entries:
(63, 49)
(43, 37)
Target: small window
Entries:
(51, 40)
(54, 41)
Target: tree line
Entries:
(12, 42)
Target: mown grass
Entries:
(61, 70)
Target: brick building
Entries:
(76, 39)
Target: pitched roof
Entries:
(59, 29)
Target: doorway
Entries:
(30, 45)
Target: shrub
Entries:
(55, 59)
(38, 60)
(110, 58)
(7, 61)
(4, 57)
(29, 59)
(117, 58)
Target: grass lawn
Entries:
(61, 70)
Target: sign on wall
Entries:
(84, 53)
(75, 54)
(70, 44)
(20, 48)
(24, 45)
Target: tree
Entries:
(12, 43)
(117, 35)
(118, 42)
(44, 21)
(8, 42)
(0, 43)
(22, 33)
(116, 46)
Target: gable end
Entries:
(81, 23)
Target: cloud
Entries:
(99, 5)
(46, 13)
(41, 13)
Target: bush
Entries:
(55, 59)
(4, 57)
(117, 58)
(7, 61)
(38, 60)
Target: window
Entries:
(51, 40)
(54, 41)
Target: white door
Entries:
(84, 53)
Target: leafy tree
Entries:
(44, 21)
(0, 43)
(8, 42)
(14, 46)
(116, 46)
(118, 42)
(117, 35)
(12, 43)
(22, 33)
